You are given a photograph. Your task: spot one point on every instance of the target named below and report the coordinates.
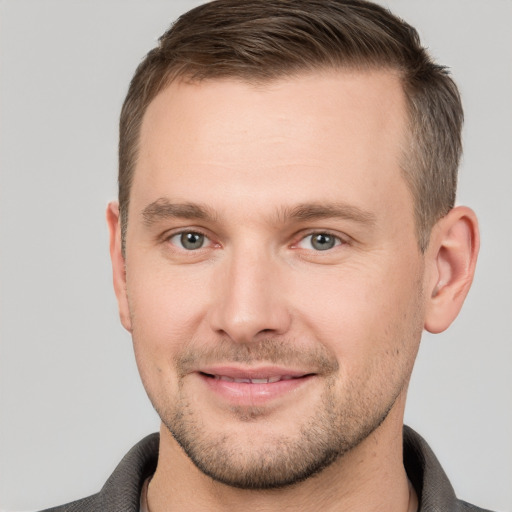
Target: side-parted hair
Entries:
(258, 41)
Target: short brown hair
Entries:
(261, 40)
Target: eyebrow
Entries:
(318, 211)
(162, 209)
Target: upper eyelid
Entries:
(169, 233)
(177, 247)
(304, 234)
(207, 240)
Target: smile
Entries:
(247, 380)
(249, 387)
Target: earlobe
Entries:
(452, 256)
(118, 263)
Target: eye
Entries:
(189, 240)
(319, 242)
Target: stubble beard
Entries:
(333, 427)
(283, 460)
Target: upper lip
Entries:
(268, 373)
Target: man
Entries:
(285, 231)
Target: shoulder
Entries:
(428, 478)
(121, 491)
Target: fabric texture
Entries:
(121, 492)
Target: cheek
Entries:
(364, 313)
(166, 311)
(166, 302)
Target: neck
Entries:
(371, 477)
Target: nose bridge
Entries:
(249, 300)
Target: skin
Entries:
(270, 166)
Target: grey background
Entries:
(70, 399)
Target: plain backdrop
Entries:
(70, 399)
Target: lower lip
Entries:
(244, 393)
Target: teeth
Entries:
(268, 380)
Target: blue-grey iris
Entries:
(191, 241)
(323, 241)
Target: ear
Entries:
(118, 264)
(452, 255)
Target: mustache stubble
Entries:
(281, 352)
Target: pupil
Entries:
(323, 242)
(192, 240)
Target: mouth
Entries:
(251, 380)
(247, 386)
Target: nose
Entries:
(249, 300)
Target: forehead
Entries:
(314, 134)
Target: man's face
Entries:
(273, 277)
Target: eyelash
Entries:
(338, 241)
(189, 232)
